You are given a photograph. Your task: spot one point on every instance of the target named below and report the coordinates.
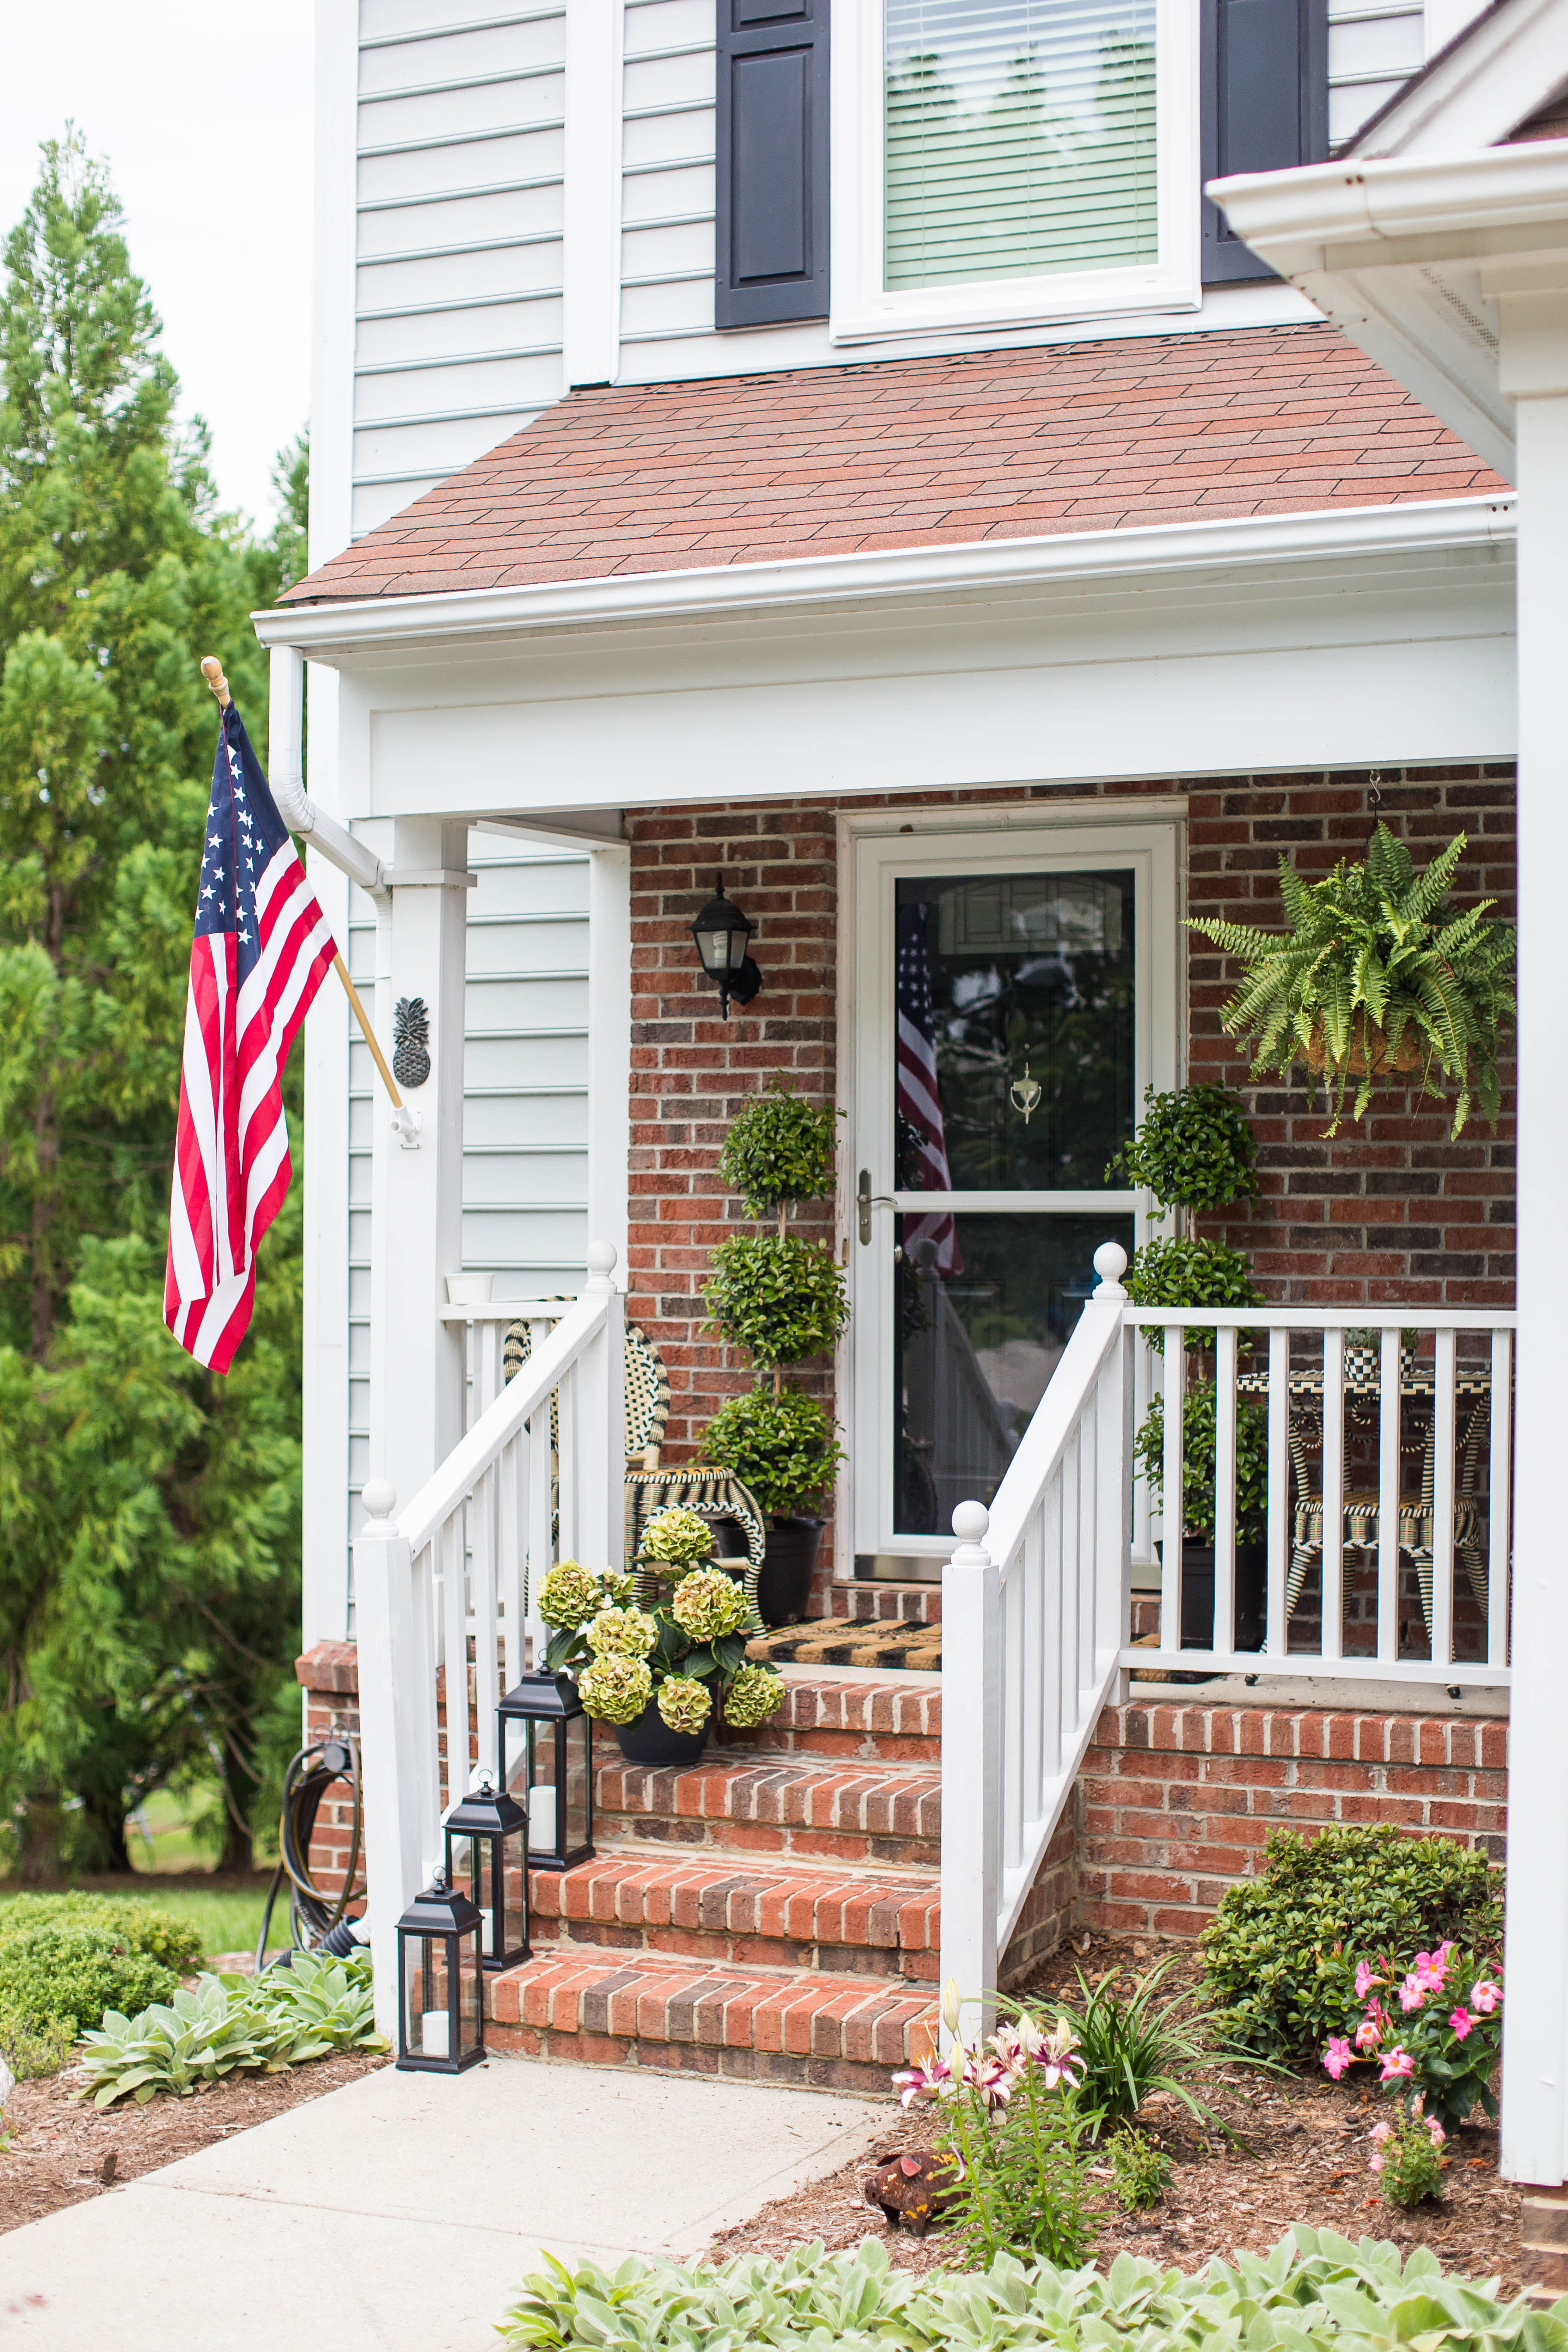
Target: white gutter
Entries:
(344, 626)
(285, 753)
(1498, 200)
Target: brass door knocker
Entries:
(1024, 1094)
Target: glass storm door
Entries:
(1015, 995)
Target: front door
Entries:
(1014, 993)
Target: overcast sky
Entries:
(203, 113)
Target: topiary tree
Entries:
(1194, 1149)
(784, 1446)
(779, 1152)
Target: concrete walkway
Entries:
(400, 2213)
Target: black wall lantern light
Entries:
(550, 1766)
(721, 933)
(440, 1983)
(487, 1847)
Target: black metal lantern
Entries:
(721, 933)
(486, 1848)
(553, 1767)
(440, 1981)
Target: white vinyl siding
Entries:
(1020, 138)
(1373, 46)
(668, 173)
(459, 278)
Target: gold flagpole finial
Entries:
(212, 670)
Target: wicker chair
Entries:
(716, 1495)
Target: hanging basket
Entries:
(1369, 1055)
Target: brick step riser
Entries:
(551, 1937)
(786, 2067)
(797, 1841)
(862, 1723)
(873, 1604)
(854, 1746)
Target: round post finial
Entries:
(379, 1496)
(1110, 1265)
(970, 1521)
(600, 1259)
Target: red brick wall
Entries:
(1391, 1209)
(1175, 1803)
(329, 1674)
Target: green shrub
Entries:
(779, 1149)
(777, 1296)
(137, 1923)
(1315, 2291)
(1271, 1950)
(1140, 2174)
(784, 1447)
(1405, 2159)
(1200, 1449)
(30, 2048)
(1194, 1148)
(67, 1976)
(1188, 1274)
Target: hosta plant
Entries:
(1378, 978)
(226, 2024)
(315, 2005)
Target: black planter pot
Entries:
(1198, 1594)
(649, 1740)
(784, 1588)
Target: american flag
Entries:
(261, 948)
(919, 1089)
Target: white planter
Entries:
(469, 1289)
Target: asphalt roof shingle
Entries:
(893, 453)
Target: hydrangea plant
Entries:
(684, 1649)
(678, 1538)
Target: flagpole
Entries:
(212, 670)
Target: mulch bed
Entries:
(1305, 2160)
(56, 2151)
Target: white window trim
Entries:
(861, 307)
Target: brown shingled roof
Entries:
(917, 453)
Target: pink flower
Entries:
(1411, 1992)
(1460, 2023)
(1364, 1980)
(1434, 2131)
(1485, 1996)
(1375, 2165)
(1380, 2132)
(932, 2079)
(1369, 2032)
(1396, 2063)
(1337, 2056)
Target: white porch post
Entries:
(416, 1360)
(971, 1763)
(1534, 363)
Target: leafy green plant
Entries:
(782, 1444)
(1140, 2172)
(1200, 1453)
(684, 1647)
(32, 2046)
(1275, 1951)
(133, 1921)
(315, 2005)
(1188, 1272)
(780, 1151)
(1433, 2026)
(67, 1976)
(1404, 2155)
(225, 2024)
(1193, 1148)
(1315, 2288)
(1375, 960)
(777, 1296)
(1130, 2046)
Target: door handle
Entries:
(865, 1202)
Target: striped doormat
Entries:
(840, 1642)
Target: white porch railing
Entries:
(447, 1582)
(1037, 1598)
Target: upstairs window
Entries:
(1019, 139)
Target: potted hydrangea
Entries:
(657, 1672)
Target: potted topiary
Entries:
(1193, 1148)
(655, 1672)
(1199, 1451)
(782, 1298)
(1377, 980)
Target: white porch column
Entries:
(416, 1360)
(1534, 365)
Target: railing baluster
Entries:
(512, 1471)
(1333, 1555)
(1087, 1547)
(1224, 1636)
(1500, 1500)
(1072, 1556)
(1388, 1435)
(1277, 1636)
(541, 1548)
(1013, 1788)
(483, 1514)
(455, 1616)
(569, 1470)
(1031, 1575)
(1443, 1437)
(1051, 1552)
(1173, 1496)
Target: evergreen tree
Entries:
(149, 1579)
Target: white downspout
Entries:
(287, 777)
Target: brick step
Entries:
(729, 1910)
(746, 1804)
(643, 2009)
(866, 1602)
(883, 1719)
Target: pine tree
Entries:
(149, 1582)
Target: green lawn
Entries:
(228, 1910)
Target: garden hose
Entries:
(316, 1920)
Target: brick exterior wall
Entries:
(1175, 1803)
(329, 1675)
(1392, 1209)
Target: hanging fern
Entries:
(1376, 976)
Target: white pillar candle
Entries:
(541, 1816)
(435, 2038)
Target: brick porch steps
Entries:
(746, 1804)
(734, 1912)
(868, 1601)
(886, 1721)
(833, 2032)
(890, 1645)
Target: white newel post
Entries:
(397, 1758)
(1534, 371)
(416, 1228)
(971, 1764)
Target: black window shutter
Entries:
(771, 247)
(1265, 97)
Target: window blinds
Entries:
(1019, 138)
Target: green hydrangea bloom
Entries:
(707, 1605)
(755, 1693)
(614, 1689)
(684, 1703)
(680, 1538)
(570, 1595)
(619, 1587)
(621, 1633)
